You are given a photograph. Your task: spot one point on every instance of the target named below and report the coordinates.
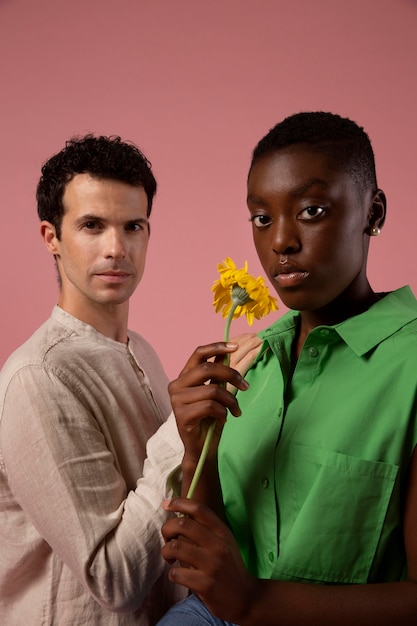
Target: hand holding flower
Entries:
(197, 405)
(201, 408)
(207, 560)
(235, 293)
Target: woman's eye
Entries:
(260, 221)
(311, 212)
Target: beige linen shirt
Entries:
(80, 507)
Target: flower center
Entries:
(239, 295)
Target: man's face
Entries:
(102, 249)
(309, 228)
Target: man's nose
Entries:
(115, 245)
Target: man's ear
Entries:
(48, 234)
(378, 210)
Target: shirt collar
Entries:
(362, 332)
(85, 330)
(365, 331)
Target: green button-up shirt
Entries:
(313, 473)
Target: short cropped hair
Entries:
(101, 157)
(346, 144)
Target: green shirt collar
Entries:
(383, 319)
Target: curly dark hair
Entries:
(102, 157)
(346, 144)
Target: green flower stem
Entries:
(210, 430)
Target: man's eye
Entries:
(134, 226)
(90, 225)
(260, 221)
(311, 212)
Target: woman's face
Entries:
(311, 228)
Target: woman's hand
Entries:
(199, 396)
(211, 564)
(204, 390)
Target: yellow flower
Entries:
(235, 293)
(252, 299)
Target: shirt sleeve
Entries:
(64, 478)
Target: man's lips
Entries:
(111, 276)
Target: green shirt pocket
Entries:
(334, 509)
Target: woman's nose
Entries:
(285, 238)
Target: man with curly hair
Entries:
(80, 508)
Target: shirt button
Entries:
(280, 411)
(313, 351)
(324, 332)
(265, 483)
(271, 557)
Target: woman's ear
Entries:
(377, 213)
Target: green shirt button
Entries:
(324, 332)
(265, 483)
(271, 557)
(313, 351)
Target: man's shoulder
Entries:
(33, 352)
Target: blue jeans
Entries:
(191, 612)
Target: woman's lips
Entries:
(290, 277)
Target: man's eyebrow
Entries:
(141, 220)
(89, 217)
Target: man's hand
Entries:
(249, 345)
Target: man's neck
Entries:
(109, 320)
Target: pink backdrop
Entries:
(195, 84)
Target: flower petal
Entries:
(259, 304)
